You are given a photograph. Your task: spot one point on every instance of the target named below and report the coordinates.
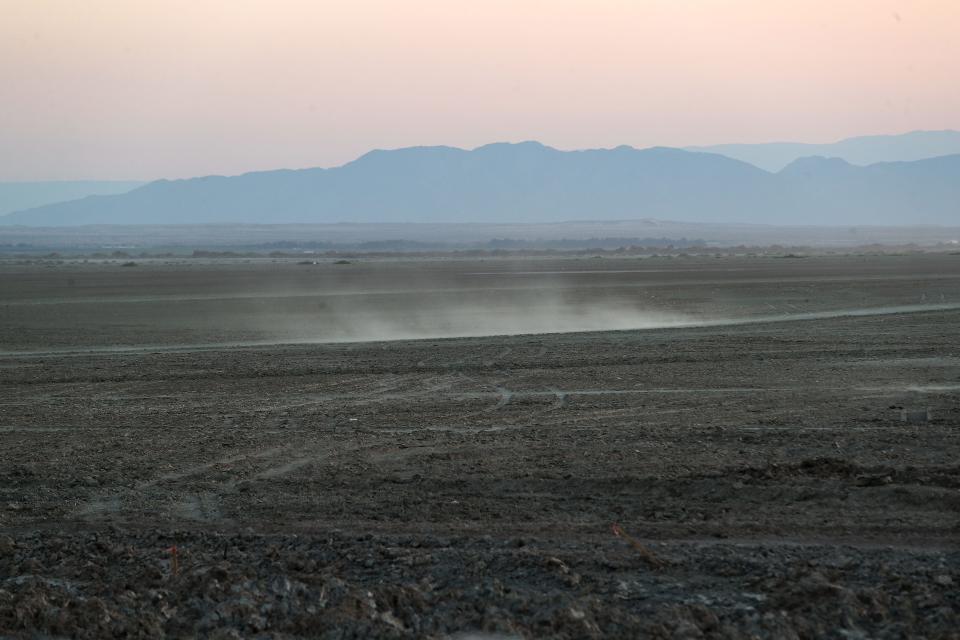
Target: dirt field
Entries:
(182, 453)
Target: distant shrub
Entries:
(129, 264)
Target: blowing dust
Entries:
(371, 318)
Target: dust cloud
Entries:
(370, 318)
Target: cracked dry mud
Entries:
(440, 487)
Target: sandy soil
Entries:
(758, 472)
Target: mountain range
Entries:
(16, 196)
(530, 182)
(862, 150)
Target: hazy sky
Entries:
(132, 89)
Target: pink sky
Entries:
(132, 89)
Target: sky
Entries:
(137, 89)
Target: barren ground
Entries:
(755, 460)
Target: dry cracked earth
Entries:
(224, 449)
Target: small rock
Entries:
(392, 620)
(31, 565)
(943, 580)
(7, 545)
(873, 481)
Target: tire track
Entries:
(106, 505)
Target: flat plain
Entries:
(683, 446)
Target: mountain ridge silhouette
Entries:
(532, 182)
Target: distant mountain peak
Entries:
(818, 164)
(527, 148)
(524, 144)
(860, 150)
